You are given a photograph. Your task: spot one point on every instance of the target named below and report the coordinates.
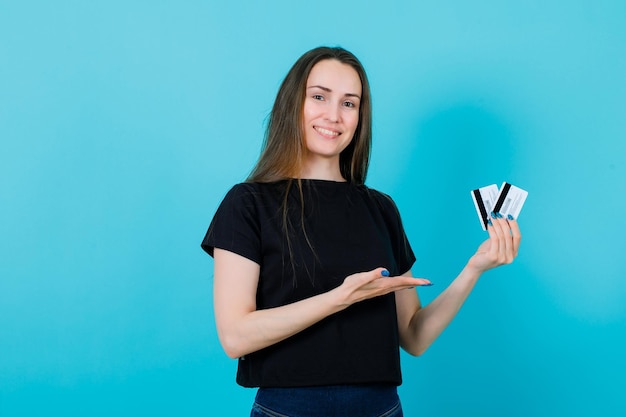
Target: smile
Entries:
(326, 132)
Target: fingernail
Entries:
(384, 273)
(499, 215)
(510, 217)
(493, 215)
(427, 285)
(489, 222)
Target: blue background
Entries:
(124, 123)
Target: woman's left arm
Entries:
(420, 326)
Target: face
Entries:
(331, 109)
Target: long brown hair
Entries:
(284, 145)
(282, 157)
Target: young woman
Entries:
(313, 286)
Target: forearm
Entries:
(243, 328)
(262, 328)
(428, 322)
(419, 327)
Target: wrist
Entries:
(473, 272)
(336, 300)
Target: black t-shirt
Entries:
(335, 229)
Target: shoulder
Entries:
(243, 189)
(384, 201)
(247, 191)
(248, 195)
(240, 198)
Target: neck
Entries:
(322, 169)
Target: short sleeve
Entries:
(235, 226)
(405, 258)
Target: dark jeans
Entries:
(330, 401)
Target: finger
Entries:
(418, 282)
(403, 283)
(509, 250)
(384, 273)
(421, 282)
(498, 245)
(493, 235)
(494, 242)
(506, 242)
(374, 274)
(513, 238)
(364, 278)
(515, 233)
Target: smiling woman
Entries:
(285, 144)
(304, 252)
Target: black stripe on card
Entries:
(503, 193)
(481, 206)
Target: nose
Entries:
(333, 112)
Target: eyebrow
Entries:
(328, 90)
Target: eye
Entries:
(349, 104)
(317, 97)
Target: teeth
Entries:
(327, 132)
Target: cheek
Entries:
(353, 120)
(310, 110)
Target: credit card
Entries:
(510, 200)
(484, 200)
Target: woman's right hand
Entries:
(243, 329)
(365, 285)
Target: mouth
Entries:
(327, 133)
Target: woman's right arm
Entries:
(243, 329)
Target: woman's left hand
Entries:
(501, 248)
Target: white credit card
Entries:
(510, 200)
(484, 200)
